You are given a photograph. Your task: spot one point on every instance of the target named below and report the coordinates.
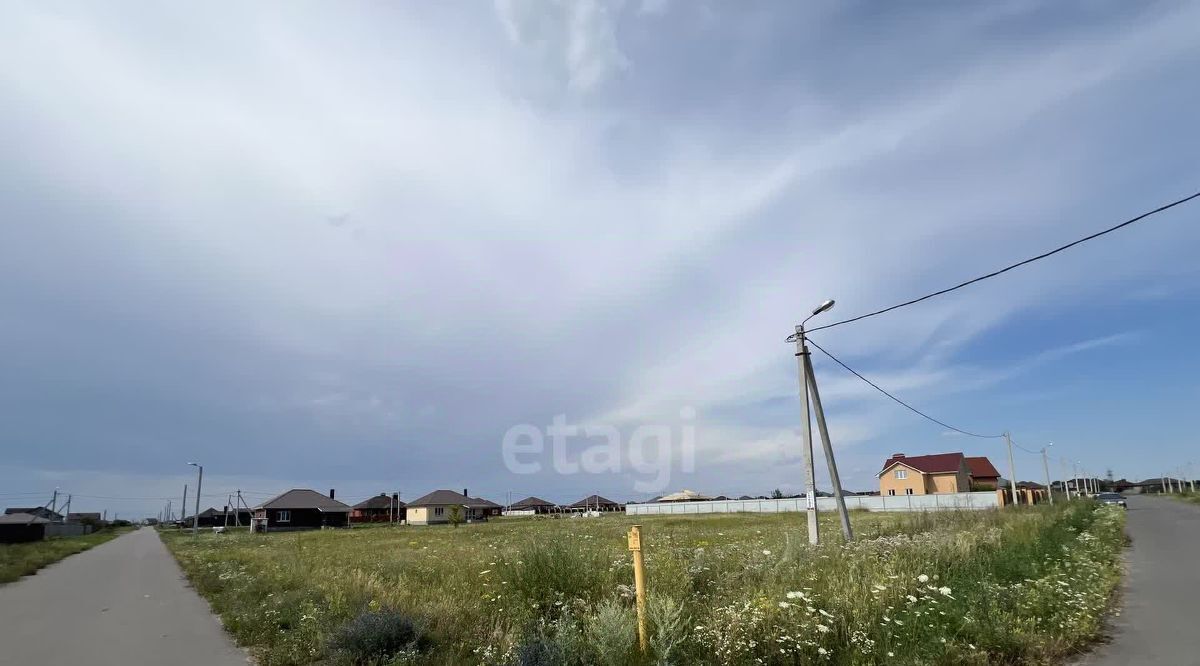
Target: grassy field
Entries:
(22, 559)
(1194, 498)
(1018, 586)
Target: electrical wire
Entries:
(898, 400)
(1011, 267)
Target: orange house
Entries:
(925, 475)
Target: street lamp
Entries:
(808, 389)
(196, 514)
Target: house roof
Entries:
(22, 519)
(440, 497)
(380, 501)
(530, 502)
(480, 503)
(938, 463)
(593, 500)
(303, 498)
(82, 516)
(981, 467)
(684, 496)
(35, 511)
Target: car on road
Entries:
(1112, 498)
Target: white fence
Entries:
(940, 502)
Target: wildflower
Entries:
(822, 651)
(922, 578)
(485, 572)
(891, 654)
(945, 591)
(784, 604)
(822, 628)
(823, 612)
(766, 552)
(911, 598)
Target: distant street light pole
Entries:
(1067, 488)
(1012, 470)
(808, 386)
(199, 482)
(1046, 468)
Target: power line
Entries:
(1016, 265)
(898, 400)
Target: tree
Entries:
(455, 516)
(777, 494)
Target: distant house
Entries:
(39, 511)
(436, 508)
(381, 508)
(300, 509)
(924, 475)
(482, 509)
(534, 504)
(22, 528)
(94, 518)
(684, 496)
(595, 503)
(213, 517)
(984, 475)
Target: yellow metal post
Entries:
(639, 581)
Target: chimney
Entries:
(331, 494)
(465, 492)
(896, 456)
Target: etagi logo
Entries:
(600, 449)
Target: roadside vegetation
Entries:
(1189, 496)
(22, 559)
(997, 587)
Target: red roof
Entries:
(937, 463)
(982, 468)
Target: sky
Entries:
(355, 246)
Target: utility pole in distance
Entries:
(1012, 470)
(1046, 468)
(183, 507)
(199, 483)
(1063, 462)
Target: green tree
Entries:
(456, 515)
(777, 494)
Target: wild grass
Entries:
(22, 559)
(1027, 585)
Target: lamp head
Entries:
(823, 307)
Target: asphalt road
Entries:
(122, 603)
(1160, 614)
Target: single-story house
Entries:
(436, 507)
(94, 518)
(213, 517)
(534, 504)
(482, 509)
(684, 496)
(22, 528)
(300, 509)
(984, 475)
(382, 508)
(39, 511)
(924, 475)
(595, 503)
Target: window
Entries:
(283, 516)
(908, 491)
(438, 511)
(892, 491)
(901, 474)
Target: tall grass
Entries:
(1018, 586)
(22, 559)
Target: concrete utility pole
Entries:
(810, 479)
(199, 483)
(183, 507)
(1012, 469)
(827, 445)
(1046, 468)
(54, 501)
(808, 385)
(1066, 488)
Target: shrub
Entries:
(375, 637)
(611, 634)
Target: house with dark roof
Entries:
(438, 506)
(984, 475)
(39, 511)
(382, 508)
(534, 504)
(85, 517)
(22, 527)
(924, 475)
(595, 503)
(213, 517)
(300, 509)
